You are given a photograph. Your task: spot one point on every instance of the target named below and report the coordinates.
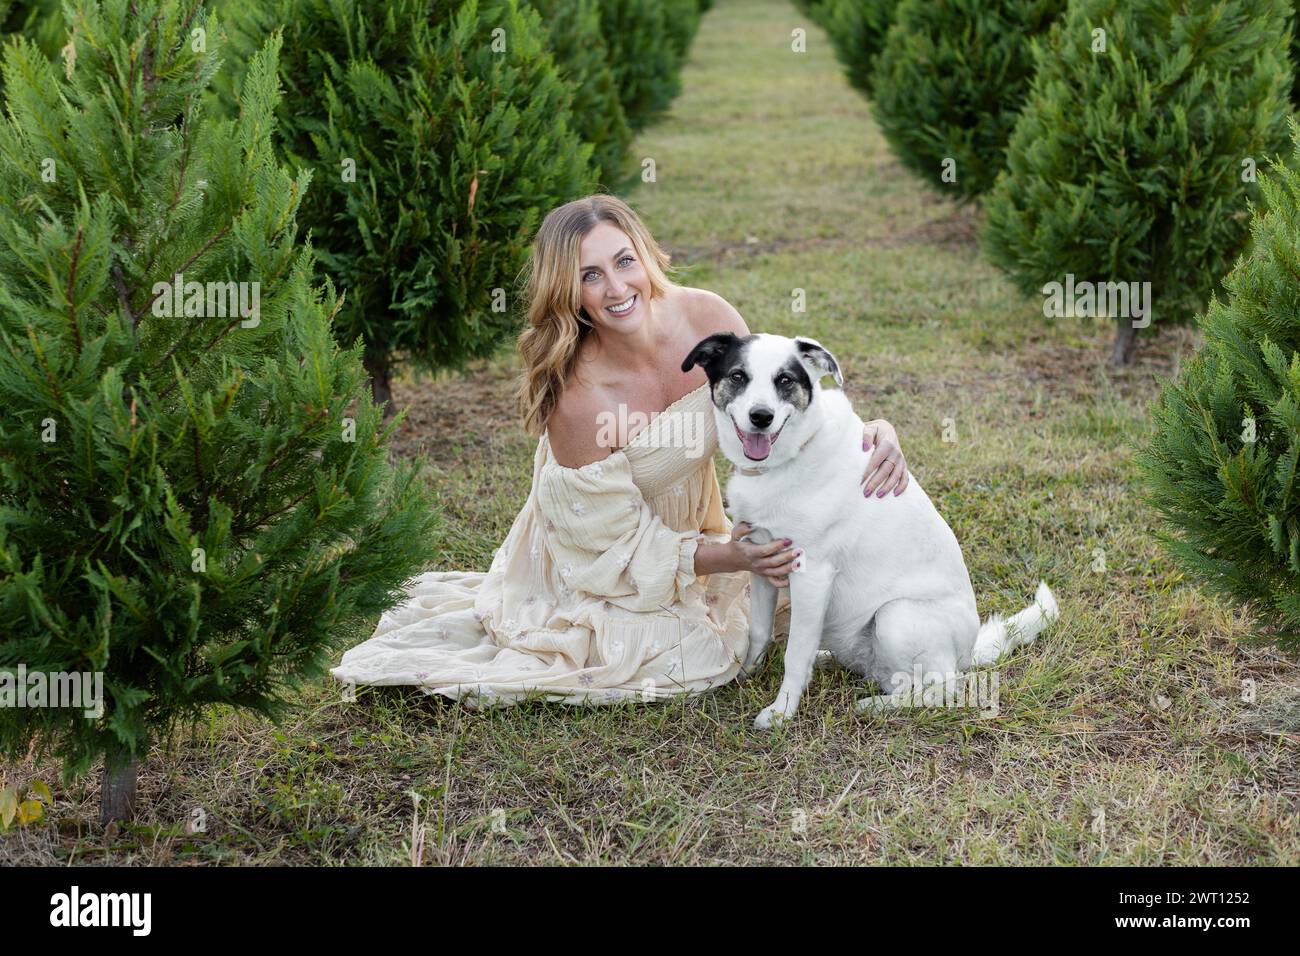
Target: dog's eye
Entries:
(783, 380)
(738, 377)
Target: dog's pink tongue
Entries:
(757, 445)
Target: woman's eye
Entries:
(627, 259)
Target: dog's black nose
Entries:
(761, 417)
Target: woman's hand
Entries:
(886, 470)
(773, 560)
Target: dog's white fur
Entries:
(883, 587)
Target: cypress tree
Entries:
(949, 84)
(857, 31)
(441, 134)
(195, 495)
(643, 57)
(41, 21)
(1133, 159)
(1221, 468)
(582, 56)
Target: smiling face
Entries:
(614, 283)
(762, 383)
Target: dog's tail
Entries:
(997, 636)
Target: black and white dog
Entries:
(882, 584)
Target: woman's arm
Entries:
(774, 560)
(886, 470)
(715, 556)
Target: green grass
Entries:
(1122, 735)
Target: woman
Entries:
(622, 576)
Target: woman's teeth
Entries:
(623, 308)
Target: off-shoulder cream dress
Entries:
(593, 596)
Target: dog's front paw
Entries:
(770, 717)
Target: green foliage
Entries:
(437, 155)
(1295, 57)
(681, 20)
(192, 503)
(1128, 164)
(578, 45)
(857, 30)
(1221, 467)
(41, 21)
(643, 56)
(950, 82)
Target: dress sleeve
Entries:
(606, 541)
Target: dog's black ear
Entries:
(709, 350)
(814, 356)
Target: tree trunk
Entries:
(381, 386)
(1125, 342)
(117, 795)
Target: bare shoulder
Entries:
(573, 426)
(710, 313)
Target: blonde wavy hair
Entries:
(556, 323)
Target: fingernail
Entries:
(788, 541)
(880, 493)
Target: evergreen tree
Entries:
(1221, 468)
(41, 21)
(195, 495)
(857, 31)
(441, 134)
(578, 45)
(681, 20)
(1295, 57)
(1132, 159)
(643, 57)
(950, 82)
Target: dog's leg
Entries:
(762, 614)
(916, 659)
(810, 593)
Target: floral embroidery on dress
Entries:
(585, 679)
(623, 559)
(579, 508)
(567, 570)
